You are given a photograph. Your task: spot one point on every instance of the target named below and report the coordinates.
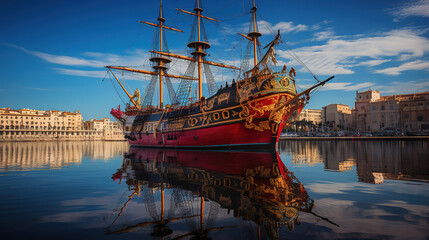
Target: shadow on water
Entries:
(262, 193)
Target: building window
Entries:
(374, 108)
(420, 117)
(391, 107)
(406, 116)
(382, 107)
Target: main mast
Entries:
(160, 61)
(199, 46)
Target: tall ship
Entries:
(249, 112)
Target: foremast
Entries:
(159, 65)
(253, 36)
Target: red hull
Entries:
(229, 135)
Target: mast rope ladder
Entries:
(150, 90)
(211, 83)
(170, 88)
(184, 89)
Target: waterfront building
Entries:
(311, 115)
(414, 111)
(38, 125)
(101, 125)
(409, 112)
(40, 120)
(337, 116)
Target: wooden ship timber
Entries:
(255, 186)
(251, 111)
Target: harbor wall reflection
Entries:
(374, 160)
(52, 155)
(257, 187)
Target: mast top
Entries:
(161, 17)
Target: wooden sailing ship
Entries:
(251, 111)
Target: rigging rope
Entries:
(291, 52)
(116, 89)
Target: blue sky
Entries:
(53, 52)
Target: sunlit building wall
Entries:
(337, 116)
(409, 112)
(39, 120)
(311, 115)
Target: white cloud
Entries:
(82, 73)
(91, 59)
(372, 63)
(319, 25)
(324, 35)
(122, 75)
(267, 28)
(66, 60)
(340, 55)
(415, 65)
(397, 87)
(345, 86)
(418, 8)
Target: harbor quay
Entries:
(376, 138)
(19, 135)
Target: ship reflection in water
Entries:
(254, 187)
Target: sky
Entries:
(53, 53)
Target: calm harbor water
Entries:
(308, 190)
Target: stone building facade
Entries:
(103, 124)
(409, 112)
(40, 120)
(311, 115)
(37, 125)
(337, 116)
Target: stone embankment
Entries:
(25, 135)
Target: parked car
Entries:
(289, 134)
(367, 134)
(357, 134)
(340, 134)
